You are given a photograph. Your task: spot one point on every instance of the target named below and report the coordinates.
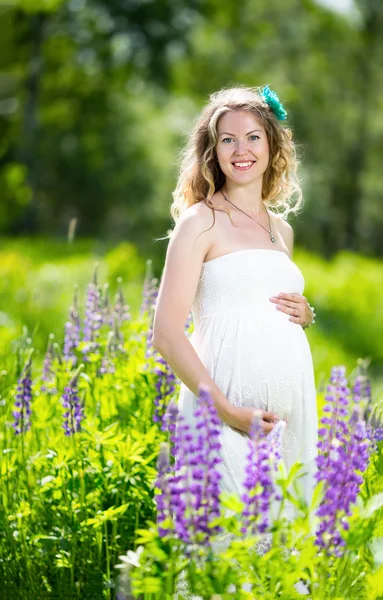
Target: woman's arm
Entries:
(186, 251)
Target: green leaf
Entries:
(317, 495)
(376, 547)
(372, 505)
(232, 502)
(147, 535)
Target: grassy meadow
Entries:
(71, 505)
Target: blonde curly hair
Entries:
(200, 175)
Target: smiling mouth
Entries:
(243, 165)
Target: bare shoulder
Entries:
(198, 212)
(194, 226)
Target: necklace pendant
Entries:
(272, 238)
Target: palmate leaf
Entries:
(232, 502)
(110, 514)
(110, 436)
(147, 535)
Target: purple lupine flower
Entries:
(261, 463)
(107, 364)
(72, 330)
(170, 424)
(375, 425)
(343, 450)
(371, 414)
(147, 309)
(121, 309)
(150, 352)
(163, 500)
(207, 457)
(48, 374)
(106, 310)
(93, 316)
(74, 413)
(57, 354)
(361, 391)
(165, 387)
(118, 337)
(179, 480)
(22, 411)
(194, 488)
(150, 290)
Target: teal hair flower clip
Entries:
(273, 101)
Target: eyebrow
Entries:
(233, 134)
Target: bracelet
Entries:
(313, 321)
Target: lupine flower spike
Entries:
(343, 451)
(375, 425)
(193, 490)
(189, 498)
(48, 374)
(165, 387)
(107, 364)
(107, 311)
(261, 464)
(169, 423)
(163, 499)
(93, 315)
(57, 354)
(74, 413)
(22, 410)
(72, 330)
(118, 337)
(150, 290)
(121, 309)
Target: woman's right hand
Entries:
(241, 418)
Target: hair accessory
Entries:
(273, 101)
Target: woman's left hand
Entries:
(295, 305)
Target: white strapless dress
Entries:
(256, 356)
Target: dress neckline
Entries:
(245, 250)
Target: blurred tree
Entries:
(96, 98)
(77, 70)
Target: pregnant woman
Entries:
(229, 262)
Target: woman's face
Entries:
(242, 147)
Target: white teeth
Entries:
(246, 164)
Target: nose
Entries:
(241, 147)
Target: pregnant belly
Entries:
(259, 359)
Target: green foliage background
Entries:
(96, 99)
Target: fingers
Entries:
(269, 416)
(295, 312)
(267, 427)
(298, 320)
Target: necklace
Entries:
(268, 231)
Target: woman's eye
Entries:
(251, 137)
